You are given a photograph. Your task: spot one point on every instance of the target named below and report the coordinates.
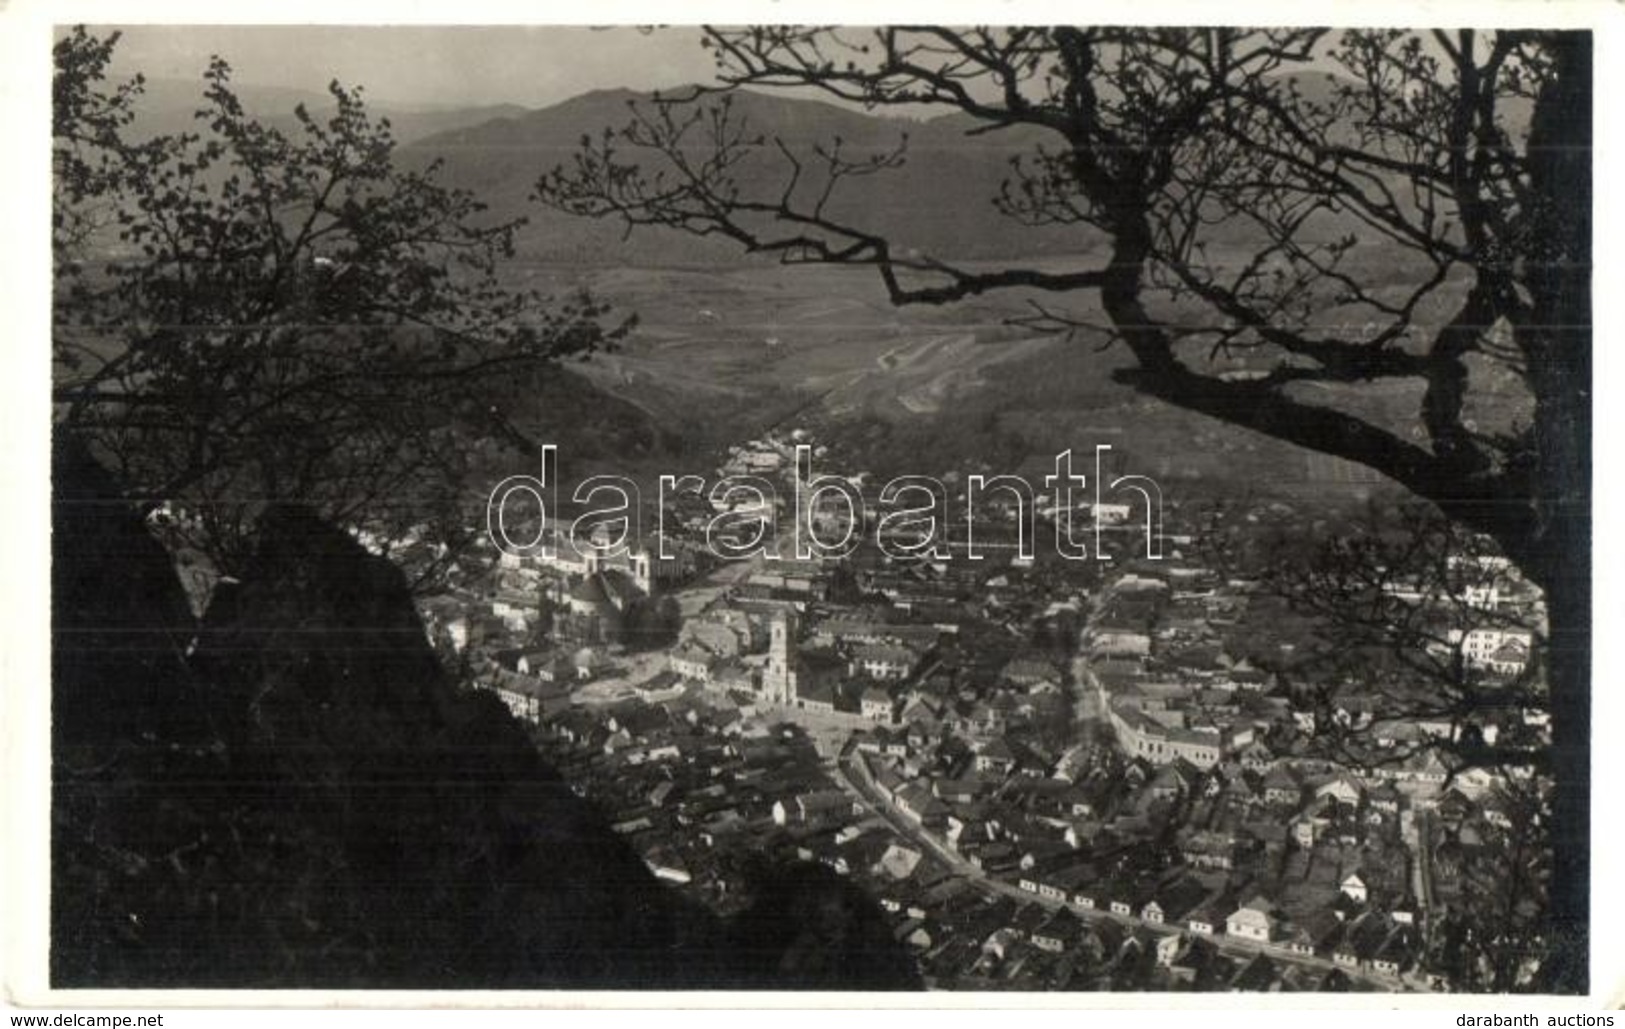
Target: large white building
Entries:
(1499, 650)
(1161, 742)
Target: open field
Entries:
(720, 355)
(723, 353)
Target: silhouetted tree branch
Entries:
(1295, 252)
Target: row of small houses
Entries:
(1187, 905)
(1372, 946)
(1383, 942)
(1348, 934)
(930, 800)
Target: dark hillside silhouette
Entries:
(303, 799)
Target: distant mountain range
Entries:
(709, 325)
(939, 200)
(167, 106)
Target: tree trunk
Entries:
(1569, 680)
(1554, 546)
(1560, 369)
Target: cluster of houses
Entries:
(1186, 837)
(1299, 864)
(692, 783)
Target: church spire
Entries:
(779, 676)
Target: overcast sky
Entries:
(429, 65)
(420, 65)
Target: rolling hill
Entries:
(167, 107)
(939, 200)
(729, 344)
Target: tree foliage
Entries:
(245, 314)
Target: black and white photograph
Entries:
(1008, 508)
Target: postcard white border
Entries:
(25, 37)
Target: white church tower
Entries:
(779, 675)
